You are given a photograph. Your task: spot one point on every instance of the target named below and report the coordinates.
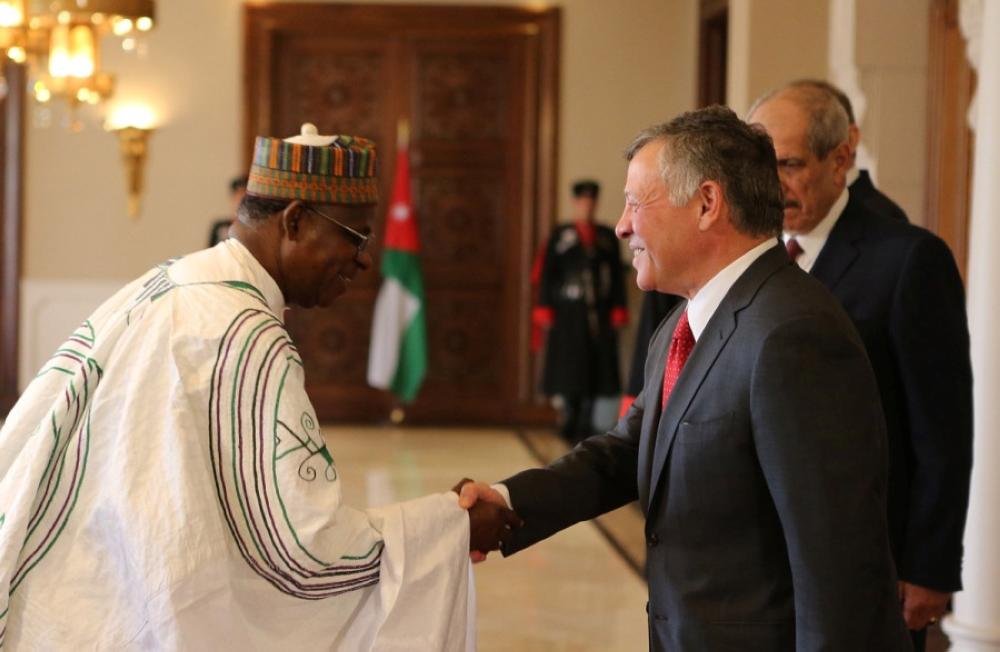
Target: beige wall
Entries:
(76, 223)
(892, 70)
(772, 42)
(882, 52)
(625, 65)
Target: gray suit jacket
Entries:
(763, 482)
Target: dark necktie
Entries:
(794, 249)
(681, 345)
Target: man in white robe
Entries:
(163, 480)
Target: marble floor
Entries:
(544, 598)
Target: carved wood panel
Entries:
(463, 97)
(477, 86)
(465, 344)
(467, 228)
(334, 341)
(343, 91)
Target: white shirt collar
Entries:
(259, 277)
(706, 301)
(812, 242)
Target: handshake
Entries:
(491, 522)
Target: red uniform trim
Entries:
(626, 403)
(543, 316)
(619, 317)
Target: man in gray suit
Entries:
(757, 447)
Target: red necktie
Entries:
(681, 345)
(794, 249)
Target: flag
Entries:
(398, 357)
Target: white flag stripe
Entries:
(394, 310)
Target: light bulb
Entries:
(132, 115)
(59, 56)
(11, 13)
(81, 63)
(122, 26)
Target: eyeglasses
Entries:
(361, 240)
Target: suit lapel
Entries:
(842, 246)
(652, 391)
(709, 346)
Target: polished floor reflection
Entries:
(574, 592)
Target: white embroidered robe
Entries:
(164, 485)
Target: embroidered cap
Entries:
(312, 167)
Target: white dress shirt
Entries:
(812, 242)
(706, 301)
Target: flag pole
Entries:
(402, 133)
(397, 359)
(397, 414)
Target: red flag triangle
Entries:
(400, 222)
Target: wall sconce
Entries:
(133, 125)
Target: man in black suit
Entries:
(900, 285)
(757, 447)
(859, 182)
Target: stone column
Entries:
(975, 624)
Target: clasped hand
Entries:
(491, 523)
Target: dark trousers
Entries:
(578, 417)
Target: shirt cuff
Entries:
(504, 492)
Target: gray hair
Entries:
(714, 144)
(257, 209)
(824, 85)
(829, 122)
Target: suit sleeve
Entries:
(600, 474)
(930, 341)
(820, 438)
(597, 476)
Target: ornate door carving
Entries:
(477, 85)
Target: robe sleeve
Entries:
(279, 491)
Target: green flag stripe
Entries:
(405, 267)
(412, 365)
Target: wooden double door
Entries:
(477, 86)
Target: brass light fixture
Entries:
(134, 126)
(13, 35)
(134, 142)
(61, 39)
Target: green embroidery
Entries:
(364, 556)
(249, 375)
(243, 285)
(304, 443)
